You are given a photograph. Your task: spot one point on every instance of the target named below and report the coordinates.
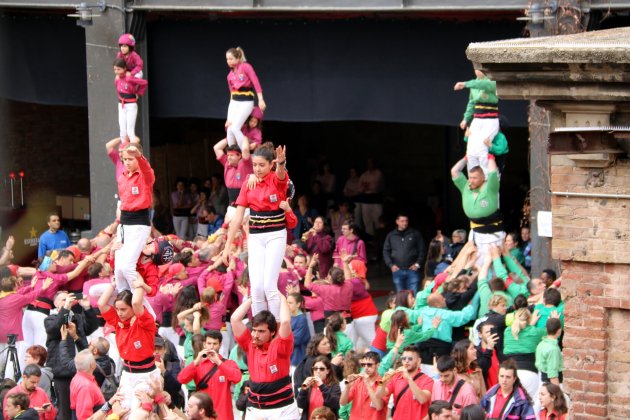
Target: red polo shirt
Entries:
(85, 395)
(269, 363)
(266, 196)
(407, 407)
(135, 337)
(219, 385)
(362, 407)
(136, 190)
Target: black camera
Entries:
(11, 339)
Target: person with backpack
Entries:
(451, 387)
(411, 388)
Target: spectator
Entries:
(167, 361)
(511, 244)
(350, 243)
(554, 405)
(508, 399)
(451, 387)
(212, 374)
(440, 410)
(53, 238)
(322, 388)
(352, 187)
(317, 241)
(435, 254)
(201, 407)
(411, 388)
(487, 354)
(369, 203)
(473, 412)
(548, 276)
(37, 397)
(181, 204)
(360, 390)
(404, 253)
(323, 413)
(218, 194)
(305, 216)
(18, 407)
(299, 326)
(66, 330)
(526, 247)
(458, 239)
(38, 355)
(105, 365)
(338, 216)
(214, 220)
(318, 346)
(85, 393)
(199, 213)
(465, 355)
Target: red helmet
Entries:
(257, 113)
(127, 39)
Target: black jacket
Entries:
(29, 414)
(86, 323)
(173, 367)
(331, 395)
(107, 364)
(305, 369)
(404, 248)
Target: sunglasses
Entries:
(367, 364)
(407, 358)
(319, 368)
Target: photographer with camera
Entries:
(67, 332)
(213, 374)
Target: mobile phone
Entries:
(494, 330)
(157, 358)
(78, 296)
(401, 330)
(66, 318)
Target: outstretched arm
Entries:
(238, 327)
(285, 318)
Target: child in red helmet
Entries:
(127, 44)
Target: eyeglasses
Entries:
(367, 364)
(318, 368)
(407, 358)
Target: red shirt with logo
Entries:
(270, 362)
(135, 337)
(267, 194)
(135, 190)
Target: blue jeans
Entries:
(406, 280)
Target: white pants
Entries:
(134, 239)
(169, 334)
(127, 120)
(180, 223)
(364, 331)
(476, 150)
(130, 383)
(289, 412)
(33, 328)
(483, 241)
(228, 341)
(238, 112)
(266, 252)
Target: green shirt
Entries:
(344, 344)
(481, 202)
(413, 335)
(545, 314)
(528, 339)
(481, 91)
(549, 357)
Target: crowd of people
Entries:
(262, 308)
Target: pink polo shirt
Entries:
(349, 246)
(235, 175)
(85, 395)
(465, 397)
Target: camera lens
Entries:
(204, 355)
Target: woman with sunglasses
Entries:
(320, 389)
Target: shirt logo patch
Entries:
(135, 190)
(238, 176)
(241, 77)
(273, 369)
(273, 198)
(483, 203)
(221, 378)
(137, 344)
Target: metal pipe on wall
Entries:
(589, 195)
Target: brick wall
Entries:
(591, 240)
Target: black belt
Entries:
(267, 221)
(143, 366)
(36, 309)
(140, 217)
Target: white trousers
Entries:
(134, 239)
(266, 252)
(130, 383)
(180, 223)
(238, 112)
(367, 215)
(33, 328)
(289, 412)
(127, 120)
(476, 150)
(483, 241)
(363, 331)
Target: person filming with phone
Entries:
(213, 374)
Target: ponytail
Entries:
(521, 319)
(241, 54)
(333, 324)
(237, 53)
